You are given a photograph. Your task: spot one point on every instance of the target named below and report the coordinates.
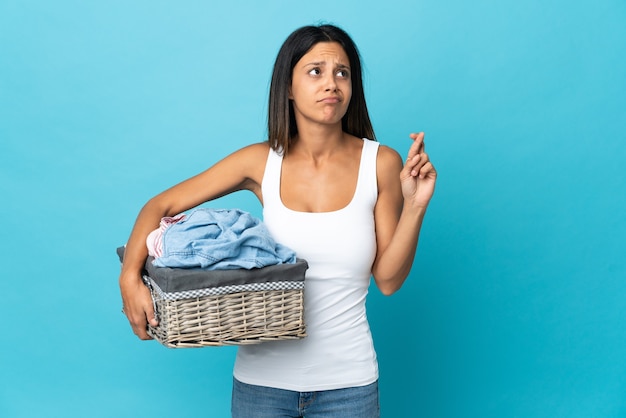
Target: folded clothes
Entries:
(219, 239)
(155, 238)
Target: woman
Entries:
(339, 200)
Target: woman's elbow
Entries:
(389, 287)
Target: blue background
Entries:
(515, 306)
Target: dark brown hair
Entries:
(281, 120)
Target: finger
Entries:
(143, 335)
(417, 163)
(427, 170)
(418, 144)
(148, 318)
(152, 319)
(141, 330)
(414, 161)
(139, 323)
(138, 327)
(415, 135)
(411, 163)
(415, 147)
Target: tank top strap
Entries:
(367, 185)
(270, 185)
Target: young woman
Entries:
(351, 208)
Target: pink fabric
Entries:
(154, 241)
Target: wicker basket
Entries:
(199, 308)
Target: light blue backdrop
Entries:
(516, 304)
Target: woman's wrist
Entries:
(415, 212)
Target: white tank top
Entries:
(340, 247)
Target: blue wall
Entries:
(515, 306)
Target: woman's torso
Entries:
(340, 247)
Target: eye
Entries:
(343, 73)
(315, 71)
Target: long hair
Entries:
(281, 120)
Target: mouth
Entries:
(330, 99)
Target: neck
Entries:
(318, 140)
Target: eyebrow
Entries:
(322, 63)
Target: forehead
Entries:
(323, 52)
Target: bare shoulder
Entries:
(250, 161)
(254, 151)
(250, 157)
(388, 154)
(388, 162)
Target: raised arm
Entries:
(403, 196)
(242, 170)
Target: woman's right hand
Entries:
(138, 306)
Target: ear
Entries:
(290, 97)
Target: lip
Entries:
(330, 99)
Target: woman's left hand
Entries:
(418, 175)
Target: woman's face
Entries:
(321, 85)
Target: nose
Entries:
(331, 83)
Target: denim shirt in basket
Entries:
(221, 239)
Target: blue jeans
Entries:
(251, 401)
